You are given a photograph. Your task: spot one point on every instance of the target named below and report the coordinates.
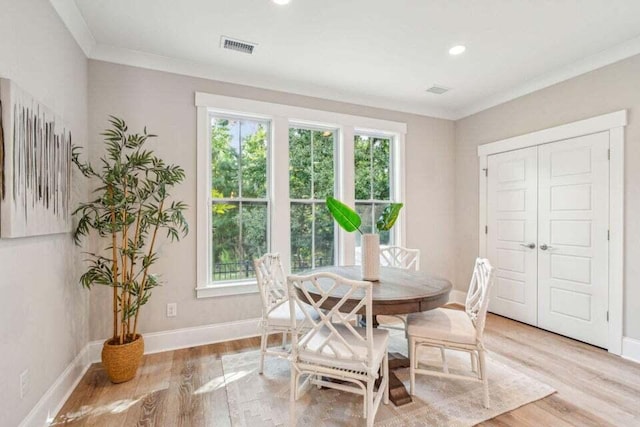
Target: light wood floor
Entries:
(184, 387)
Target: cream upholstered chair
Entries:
(456, 330)
(275, 310)
(399, 257)
(333, 348)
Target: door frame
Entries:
(613, 123)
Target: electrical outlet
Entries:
(172, 309)
(25, 383)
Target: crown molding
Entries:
(75, 23)
(210, 71)
(73, 19)
(601, 59)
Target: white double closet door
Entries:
(547, 236)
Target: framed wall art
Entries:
(35, 166)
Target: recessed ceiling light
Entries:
(456, 50)
(281, 2)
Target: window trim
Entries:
(283, 116)
(337, 134)
(211, 113)
(395, 189)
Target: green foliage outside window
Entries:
(239, 192)
(238, 172)
(372, 158)
(311, 180)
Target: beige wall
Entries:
(608, 89)
(43, 321)
(165, 103)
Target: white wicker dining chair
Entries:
(399, 257)
(275, 310)
(333, 348)
(449, 329)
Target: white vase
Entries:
(371, 257)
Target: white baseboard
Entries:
(631, 349)
(175, 339)
(457, 297)
(53, 399)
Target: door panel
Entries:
(573, 206)
(511, 219)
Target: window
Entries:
(264, 171)
(311, 180)
(239, 196)
(373, 181)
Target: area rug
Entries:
(263, 400)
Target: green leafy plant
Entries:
(131, 207)
(350, 221)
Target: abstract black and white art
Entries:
(35, 166)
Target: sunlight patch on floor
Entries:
(219, 382)
(115, 407)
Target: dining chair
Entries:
(397, 256)
(275, 310)
(333, 348)
(449, 329)
(406, 259)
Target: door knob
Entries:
(544, 247)
(528, 245)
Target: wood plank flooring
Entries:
(185, 387)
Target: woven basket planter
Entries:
(121, 361)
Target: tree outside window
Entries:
(239, 195)
(311, 180)
(372, 158)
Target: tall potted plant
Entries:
(130, 209)
(350, 221)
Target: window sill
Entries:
(227, 289)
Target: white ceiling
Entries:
(374, 52)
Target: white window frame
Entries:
(312, 200)
(240, 199)
(282, 117)
(395, 189)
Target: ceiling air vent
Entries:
(438, 90)
(237, 45)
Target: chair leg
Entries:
(284, 340)
(292, 396)
(263, 349)
(365, 404)
(413, 363)
(370, 397)
(485, 379)
(385, 373)
(474, 362)
(445, 366)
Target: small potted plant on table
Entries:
(350, 221)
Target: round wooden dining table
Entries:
(398, 291)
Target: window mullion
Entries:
(281, 209)
(346, 191)
(313, 235)
(312, 197)
(371, 168)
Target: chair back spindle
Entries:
(271, 281)
(477, 302)
(399, 257)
